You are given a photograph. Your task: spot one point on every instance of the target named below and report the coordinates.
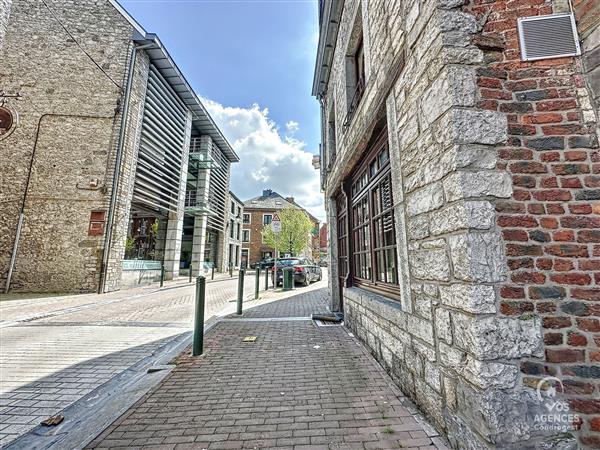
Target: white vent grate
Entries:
(551, 36)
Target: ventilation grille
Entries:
(552, 36)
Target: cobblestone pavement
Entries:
(297, 386)
(54, 351)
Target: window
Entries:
(355, 70)
(239, 212)
(237, 234)
(372, 222)
(267, 218)
(231, 228)
(245, 235)
(232, 208)
(342, 230)
(246, 218)
(331, 143)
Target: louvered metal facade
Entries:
(218, 189)
(165, 127)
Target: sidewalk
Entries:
(298, 386)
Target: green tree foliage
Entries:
(296, 228)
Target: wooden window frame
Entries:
(362, 214)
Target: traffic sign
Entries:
(276, 223)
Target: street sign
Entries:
(276, 223)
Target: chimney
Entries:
(290, 199)
(267, 192)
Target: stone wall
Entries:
(66, 109)
(5, 6)
(450, 342)
(550, 223)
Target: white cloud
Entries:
(292, 126)
(267, 160)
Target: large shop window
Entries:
(372, 222)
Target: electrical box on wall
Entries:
(550, 36)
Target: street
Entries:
(54, 351)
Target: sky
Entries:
(252, 64)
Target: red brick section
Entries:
(551, 225)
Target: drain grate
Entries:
(327, 323)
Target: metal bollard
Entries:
(257, 283)
(198, 346)
(231, 270)
(266, 279)
(162, 275)
(240, 297)
(212, 273)
(190, 273)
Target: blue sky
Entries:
(253, 62)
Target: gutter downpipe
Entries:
(118, 160)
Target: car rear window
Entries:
(288, 262)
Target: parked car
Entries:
(305, 271)
(266, 263)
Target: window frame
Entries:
(365, 215)
(243, 232)
(249, 218)
(267, 215)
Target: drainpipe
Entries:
(118, 160)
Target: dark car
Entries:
(266, 263)
(305, 271)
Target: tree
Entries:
(296, 228)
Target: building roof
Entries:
(330, 13)
(236, 198)
(159, 56)
(273, 200)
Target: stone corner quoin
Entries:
(470, 263)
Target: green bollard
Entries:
(266, 279)
(288, 279)
(190, 280)
(198, 346)
(240, 297)
(257, 283)
(231, 270)
(162, 275)
(212, 273)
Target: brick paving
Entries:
(54, 351)
(298, 386)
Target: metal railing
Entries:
(353, 106)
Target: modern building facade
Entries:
(232, 250)
(104, 142)
(460, 165)
(258, 212)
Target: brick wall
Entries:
(255, 246)
(551, 224)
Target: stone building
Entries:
(461, 183)
(258, 212)
(99, 128)
(232, 250)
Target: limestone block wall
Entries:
(127, 169)
(451, 342)
(67, 116)
(4, 15)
